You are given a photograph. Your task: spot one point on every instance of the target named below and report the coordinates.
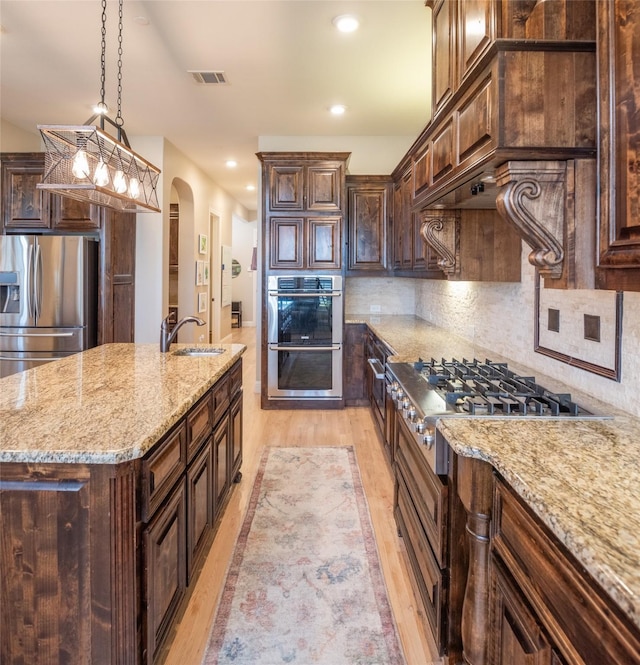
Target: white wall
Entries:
(243, 287)
(14, 139)
(152, 243)
(370, 155)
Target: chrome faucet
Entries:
(167, 336)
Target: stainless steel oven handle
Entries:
(377, 368)
(276, 347)
(306, 294)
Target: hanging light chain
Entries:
(103, 47)
(119, 119)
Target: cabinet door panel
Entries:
(235, 447)
(286, 243)
(324, 185)
(200, 505)
(476, 30)
(443, 53)
(442, 147)
(324, 242)
(286, 188)
(165, 561)
(23, 205)
(474, 121)
(220, 464)
(367, 228)
(421, 171)
(619, 139)
(71, 215)
(518, 638)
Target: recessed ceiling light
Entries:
(250, 188)
(141, 20)
(346, 23)
(231, 163)
(337, 109)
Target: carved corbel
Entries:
(441, 230)
(532, 199)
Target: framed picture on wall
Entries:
(202, 302)
(200, 273)
(203, 244)
(205, 273)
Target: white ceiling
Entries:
(284, 60)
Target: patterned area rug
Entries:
(305, 584)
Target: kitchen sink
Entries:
(198, 351)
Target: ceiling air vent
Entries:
(214, 78)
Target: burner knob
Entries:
(420, 427)
(406, 405)
(411, 412)
(393, 388)
(429, 439)
(399, 397)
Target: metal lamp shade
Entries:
(85, 163)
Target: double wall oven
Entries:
(304, 343)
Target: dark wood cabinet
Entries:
(116, 278)
(166, 567)
(103, 554)
(421, 513)
(543, 602)
(354, 365)
(221, 446)
(514, 82)
(619, 141)
(200, 501)
(303, 210)
(376, 354)
(27, 209)
(368, 210)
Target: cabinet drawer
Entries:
(578, 614)
(199, 425)
(426, 571)
(220, 397)
(162, 468)
(428, 493)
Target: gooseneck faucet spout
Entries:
(167, 335)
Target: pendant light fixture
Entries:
(85, 163)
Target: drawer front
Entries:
(428, 493)
(162, 468)
(426, 571)
(220, 394)
(199, 425)
(578, 614)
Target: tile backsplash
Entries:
(501, 317)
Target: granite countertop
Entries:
(107, 405)
(580, 477)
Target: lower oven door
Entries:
(304, 372)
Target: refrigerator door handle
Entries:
(38, 281)
(11, 334)
(29, 291)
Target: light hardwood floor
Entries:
(352, 426)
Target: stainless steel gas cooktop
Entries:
(426, 391)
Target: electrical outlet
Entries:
(375, 309)
(201, 338)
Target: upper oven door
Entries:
(305, 311)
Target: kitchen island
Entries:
(115, 466)
(577, 485)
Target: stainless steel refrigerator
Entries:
(48, 299)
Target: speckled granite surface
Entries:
(106, 405)
(582, 478)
